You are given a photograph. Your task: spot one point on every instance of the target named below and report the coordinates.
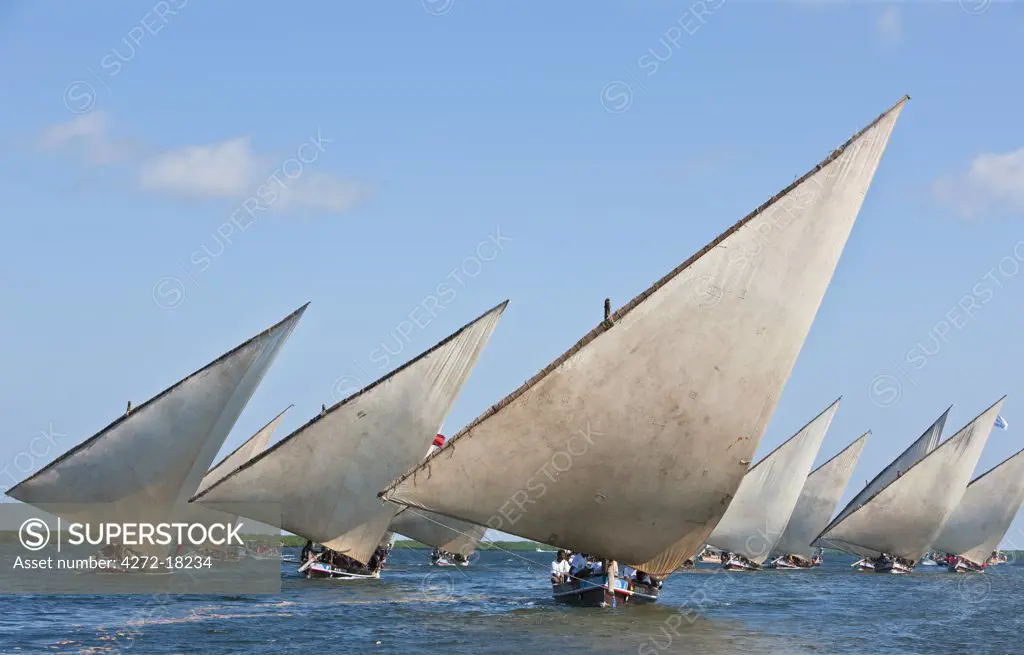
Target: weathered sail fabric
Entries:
(818, 499)
(145, 465)
(985, 512)
(253, 446)
(438, 531)
(758, 514)
(905, 516)
(924, 444)
(634, 440)
(321, 481)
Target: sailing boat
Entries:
(903, 518)
(320, 482)
(453, 541)
(249, 449)
(924, 444)
(984, 514)
(630, 445)
(143, 467)
(758, 514)
(818, 499)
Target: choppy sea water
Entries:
(502, 604)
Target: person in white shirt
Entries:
(559, 569)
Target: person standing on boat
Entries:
(307, 551)
(611, 569)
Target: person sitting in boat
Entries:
(578, 565)
(642, 577)
(596, 567)
(628, 572)
(560, 569)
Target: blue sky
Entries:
(604, 145)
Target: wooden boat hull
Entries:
(737, 564)
(593, 592)
(892, 567)
(865, 565)
(961, 565)
(319, 570)
(784, 564)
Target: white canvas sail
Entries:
(818, 499)
(922, 446)
(321, 481)
(145, 465)
(630, 445)
(904, 517)
(985, 512)
(764, 502)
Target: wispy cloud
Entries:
(230, 169)
(890, 26)
(993, 183)
(227, 169)
(89, 135)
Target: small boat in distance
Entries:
(982, 518)
(923, 445)
(902, 519)
(818, 499)
(763, 505)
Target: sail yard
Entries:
(747, 302)
(320, 482)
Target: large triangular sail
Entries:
(764, 502)
(646, 424)
(145, 465)
(321, 481)
(924, 444)
(985, 512)
(818, 499)
(903, 518)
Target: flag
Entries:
(1001, 422)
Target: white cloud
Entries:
(227, 169)
(321, 192)
(89, 134)
(890, 26)
(994, 183)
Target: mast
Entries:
(903, 518)
(320, 482)
(764, 502)
(818, 499)
(145, 464)
(985, 512)
(648, 422)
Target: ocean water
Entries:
(502, 604)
